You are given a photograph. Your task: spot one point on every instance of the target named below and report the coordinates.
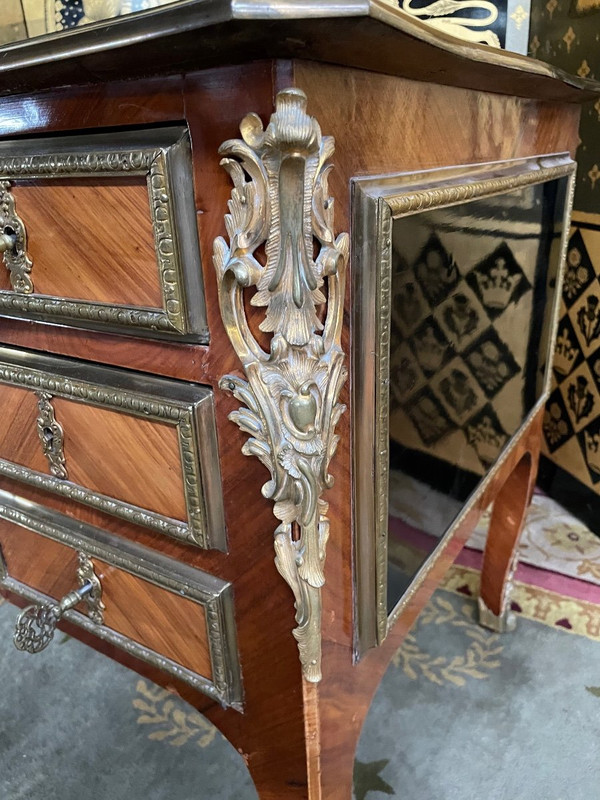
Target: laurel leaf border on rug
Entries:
(479, 659)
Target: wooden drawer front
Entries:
(138, 447)
(105, 229)
(175, 617)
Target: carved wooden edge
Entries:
(290, 395)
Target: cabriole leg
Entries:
(501, 550)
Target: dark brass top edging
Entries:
(369, 34)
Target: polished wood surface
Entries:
(90, 240)
(374, 35)
(161, 620)
(156, 618)
(125, 457)
(47, 566)
(291, 736)
(506, 523)
(19, 438)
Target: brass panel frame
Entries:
(188, 407)
(213, 594)
(163, 157)
(376, 203)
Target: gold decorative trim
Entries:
(505, 622)
(423, 199)
(93, 601)
(378, 202)
(163, 158)
(13, 242)
(213, 594)
(291, 393)
(155, 399)
(51, 436)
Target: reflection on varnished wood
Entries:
(155, 618)
(90, 240)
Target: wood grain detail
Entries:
(38, 562)
(154, 617)
(91, 240)
(381, 124)
(19, 440)
(122, 456)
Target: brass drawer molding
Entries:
(186, 407)
(213, 594)
(163, 158)
(291, 394)
(13, 242)
(51, 436)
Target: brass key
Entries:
(36, 624)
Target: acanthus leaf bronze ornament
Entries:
(13, 242)
(290, 398)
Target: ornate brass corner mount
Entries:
(51, 436)
(280, 199)
(13, 242)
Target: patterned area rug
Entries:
(553, 539)
(462, 712)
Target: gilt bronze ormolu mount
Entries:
(290, 395)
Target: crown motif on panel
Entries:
(409, 305)
(404, 377)
(460, 316)
(430, 419)
(430, 351)
(497, 285)
(592, 450)
(436, 270)
(486, 438)
(565, 354)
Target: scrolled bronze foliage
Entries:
(290, 395)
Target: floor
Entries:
(461, 713)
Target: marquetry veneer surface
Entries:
(90, 240)
(154, 617)
(131, 459)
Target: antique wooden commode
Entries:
(180, 301)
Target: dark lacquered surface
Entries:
(472, 297)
